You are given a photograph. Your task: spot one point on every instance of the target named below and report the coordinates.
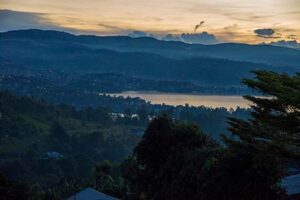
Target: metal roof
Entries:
(91, 194)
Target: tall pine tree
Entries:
(275, 123)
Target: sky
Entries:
(243, 21)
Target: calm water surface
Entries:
(191, 99)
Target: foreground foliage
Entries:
(174, 160)
(275, 123)
(177, 161)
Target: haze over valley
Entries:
(150, 100)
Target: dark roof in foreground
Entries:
(292, 184)
(91, 194)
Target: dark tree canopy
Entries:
(12, 190)
(275, 122)
(177, 161)
(172, 161)
(261, 146)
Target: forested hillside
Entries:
(32, 128)
(240, 52)
(149, 100)
(52, 144)
(59, 149)
(145, 58)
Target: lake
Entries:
(175, 99)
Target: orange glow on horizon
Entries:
(228, 20)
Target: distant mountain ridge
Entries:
(148, 58)
(266, 54)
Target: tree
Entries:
(12, 190)
(58, 132)
(247, 174)
(106, 177)
(260, 145)
(142, 112)
(172, 161)
(177, 161)
(275, 123)
(102, 178)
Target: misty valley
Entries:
(142, 118)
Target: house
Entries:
(91, 194)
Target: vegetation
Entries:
(53, 145)
(48, 146)
(177, 161)
(12, 190)
(33, 52)
(63, 149)
(275, 123)
(172, 161)
(83, 92)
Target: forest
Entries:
(149, 100)
(52, 144)
(58, 149)
(148, 61)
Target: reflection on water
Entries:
(213, 101)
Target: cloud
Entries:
(266, 33)
(248, 16)
(112, 27)
(137, 34)
(199, 38)
(198, 25)
(15, 20)
(286, 43)
(191, 38)
(170, 37)
(292, 37)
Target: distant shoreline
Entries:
(195, 93)
(181, 99)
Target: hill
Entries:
(33, 131)
(242, 52)
(145, 58)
